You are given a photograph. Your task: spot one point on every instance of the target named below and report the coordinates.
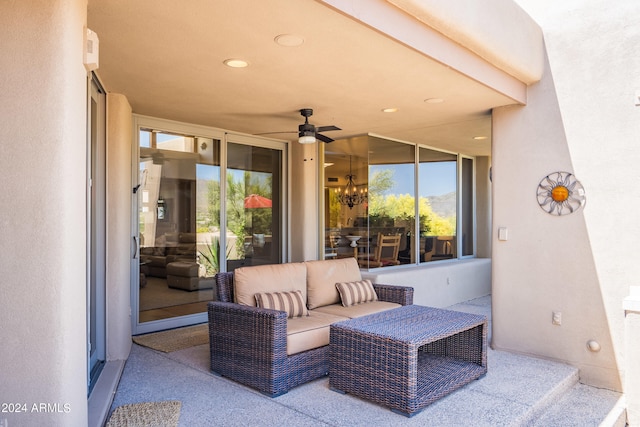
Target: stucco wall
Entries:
(580, 118)
(440, 284)
(496, 30)
(304, 201)
(119, 240)
(43, 259)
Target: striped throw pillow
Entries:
(291, 302)
(352, 293)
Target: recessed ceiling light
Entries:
(289, 40)
(389, 110)
(480, 138)
(235, 63)
(434, 100)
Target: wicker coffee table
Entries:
(408, 357)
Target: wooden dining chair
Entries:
(385, 253)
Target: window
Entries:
(437, 204)
(423, 195)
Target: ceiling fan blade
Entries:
(326, 128)
(273, 133)
(307, 129)
(323, 138)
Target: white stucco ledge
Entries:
(441, 283)
(631, 304)
(497, 30)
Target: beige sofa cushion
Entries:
(356, 310)
(309, 332)
(249, 281)
(322, 277)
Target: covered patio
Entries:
(553, 86)
(517, 391)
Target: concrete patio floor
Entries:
(517, 391)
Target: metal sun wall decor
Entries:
(560, 193)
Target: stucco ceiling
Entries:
(167, 58)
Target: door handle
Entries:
(135, 247)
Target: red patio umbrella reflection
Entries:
(255, 201)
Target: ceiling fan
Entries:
(308, 133)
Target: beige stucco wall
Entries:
(497, 30)
(304, 201)
(43, 212)
(119, 241)
(440, 284)
(580, 118)
(458, 49)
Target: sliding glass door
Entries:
(254, 214)
(189, 226)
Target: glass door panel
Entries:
(179, 226)
(253, 205)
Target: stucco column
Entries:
(304, 202)
(631, 307)
(43, 214)
(119, 153)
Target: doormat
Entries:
(175, 339)
(157, 414)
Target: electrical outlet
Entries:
(556, 318)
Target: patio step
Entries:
(550, 399)
(551, 392)
(574, 404)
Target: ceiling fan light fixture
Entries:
(307, 139)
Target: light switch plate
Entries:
(503, 233)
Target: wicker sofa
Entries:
(272, 350)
